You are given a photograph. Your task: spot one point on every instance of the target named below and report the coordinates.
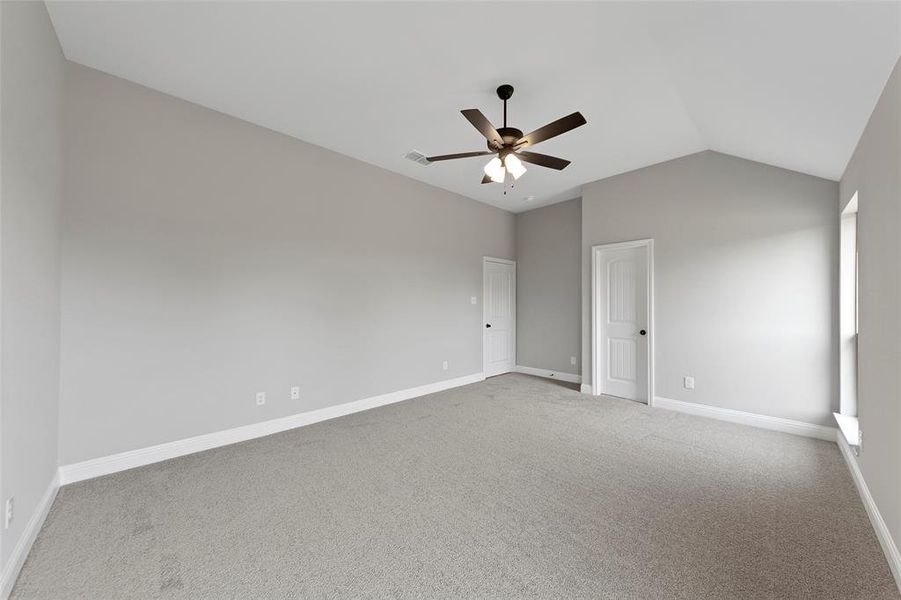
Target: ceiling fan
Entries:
(508, 143)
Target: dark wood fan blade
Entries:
(478, 120)
(486, 179)
(543, 160)
(567, 123)
(460, 155)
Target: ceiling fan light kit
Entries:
(508, 143)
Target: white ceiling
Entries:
(789, 84)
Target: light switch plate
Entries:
(688, 382)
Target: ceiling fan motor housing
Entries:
(509, 135)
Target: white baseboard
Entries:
(882, 532)
(585, 388)
(570, 377)
(811, 430)
(22, 548)
(144, 456)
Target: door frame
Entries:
(503, 261)
(596, 328)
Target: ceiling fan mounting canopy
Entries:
(505, 91)
(507, 141)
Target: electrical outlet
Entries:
(473, 300)
(859, 447)
(572, 360)
(261, 398)
(444, 365)
(295, 393)
(688, 382)
(8, 514)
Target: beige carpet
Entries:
(512, 488)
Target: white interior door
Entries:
(622, 312)
(499, 315)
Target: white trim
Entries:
(586, 388)
(144, 456)
(503, 261)
(889, 548)
(570, 377)
(23, 547)
(850, 429)
(801, 428)
(595, 317)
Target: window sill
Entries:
(850, 429)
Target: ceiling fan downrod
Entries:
(505, 92)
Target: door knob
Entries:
(642, 332)
(487, 324)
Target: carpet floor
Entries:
(516, 487)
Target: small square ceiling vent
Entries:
(417, 157)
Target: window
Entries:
(848, 322)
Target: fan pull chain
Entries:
(512, 184)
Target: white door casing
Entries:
(498, 316)
(622, 358)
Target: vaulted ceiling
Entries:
(789, 84)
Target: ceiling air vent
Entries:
(417, 157)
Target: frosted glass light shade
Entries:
(514, 166)
(495, 170)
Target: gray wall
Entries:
(745, 279)
(206, 258)
(548, 284)
(30, 170)
(875, 173)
